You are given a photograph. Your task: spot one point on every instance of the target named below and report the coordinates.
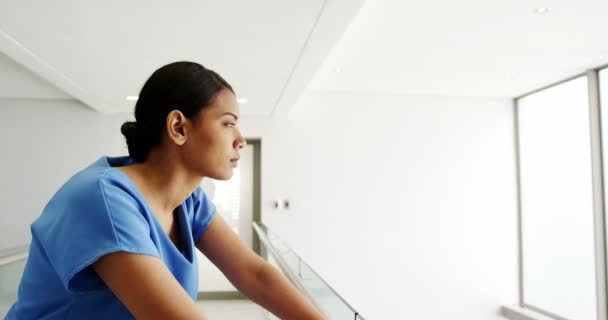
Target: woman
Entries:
(117, 240)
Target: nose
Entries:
(240, 142)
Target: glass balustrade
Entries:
(321, 294)
(12, 263)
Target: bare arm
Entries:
(146, 287)
(252, 275)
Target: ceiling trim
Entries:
(333, 20)
(29, 60)
(299, 58)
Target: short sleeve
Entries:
(204, 211)
(87, 222)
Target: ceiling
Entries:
(272, 50)
(18, 83)
(465, 48)
(101, 52)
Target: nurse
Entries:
(118, 239)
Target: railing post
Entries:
(595, 124)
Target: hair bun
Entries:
(131, 132)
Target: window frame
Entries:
(599, 190)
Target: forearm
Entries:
(274, 292)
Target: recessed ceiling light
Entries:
(242, 100)
(541, 10)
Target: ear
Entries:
(177, 127)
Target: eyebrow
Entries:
(231, 114)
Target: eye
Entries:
(230, 124)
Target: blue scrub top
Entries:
(96, 212)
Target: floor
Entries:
(214, 310)
(234, 310)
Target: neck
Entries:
(165, 181)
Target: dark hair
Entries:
(184, 86)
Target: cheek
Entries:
(212, 148)
(222, 143)
(211, 153)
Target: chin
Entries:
(223, 175)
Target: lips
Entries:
(234, 161)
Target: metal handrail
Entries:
(290, 273)
(283, 265)
(15, 254)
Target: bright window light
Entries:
(556, 201)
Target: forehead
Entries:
(224, 101)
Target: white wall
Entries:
(44, 142)
(275, 169)
(405, 205)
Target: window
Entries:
(557, 201)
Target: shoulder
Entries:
(87, 194)
(92, 184)
(192, 203)
(198, 200)
(96, 212)
(200, 210)
(97, 209)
